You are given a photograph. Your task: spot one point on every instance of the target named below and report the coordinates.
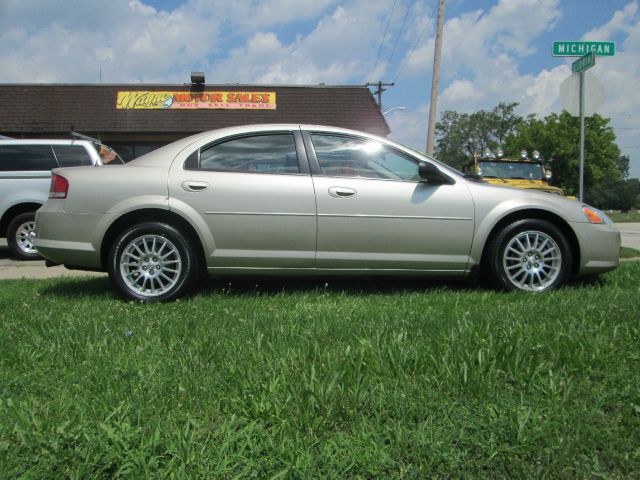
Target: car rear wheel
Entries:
(530, 255)
(152, 262)
(21, 235)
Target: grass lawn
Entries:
(301, 379)
(626, 252)
(622, 217)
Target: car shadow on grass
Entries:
(99, 287)
(79, 287)
(250, 286)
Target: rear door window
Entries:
(72, 155)
(272, 153)
(25, 158)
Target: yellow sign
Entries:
(192, 100)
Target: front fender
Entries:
(488, 216)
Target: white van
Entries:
(25, 176)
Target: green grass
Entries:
(622, 217)
(298, 379)
(627, 252)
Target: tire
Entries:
(152, 262)
(20, 236)
(529, 255)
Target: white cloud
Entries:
(132, 41)
(409, 127)
(481, 76)
(66, 41)
(331, 53)
(621, 75)
(622, 21)
(480, 65)
(472, 40)
(313, 41)
(542, 94)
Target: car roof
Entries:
(172, 149)
(168, 152)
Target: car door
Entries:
(374, 212)
(256, 198)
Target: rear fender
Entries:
(197, 222)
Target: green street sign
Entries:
(584, 63)
(578, 49)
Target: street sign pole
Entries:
(581, 196)
(580, 66)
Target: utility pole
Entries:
(380, 90)
(433, 106)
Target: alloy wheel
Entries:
(25, 237)
(532, 260)
(151, 265)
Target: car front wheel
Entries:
(530, 255)
(21, 234)
(152, 262)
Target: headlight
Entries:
(594, 215)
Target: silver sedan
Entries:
(310, 200)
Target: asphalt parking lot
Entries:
(12, 269)
(630, 235)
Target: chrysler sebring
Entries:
(310, 200)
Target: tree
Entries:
(557, 139)
(623, 165)
(616, 195)
(460, 135)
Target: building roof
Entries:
(91, 108)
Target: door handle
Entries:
(342, 192)
(193, 186)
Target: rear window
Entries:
(26, 158)
(72, 155)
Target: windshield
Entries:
(515, 170)
(108, 155)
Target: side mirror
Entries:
(429, 173)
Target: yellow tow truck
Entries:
(523, 172)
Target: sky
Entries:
(493, 50)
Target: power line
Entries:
(379, 91)
(415, 45)
(404, 21)
(384, 36)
